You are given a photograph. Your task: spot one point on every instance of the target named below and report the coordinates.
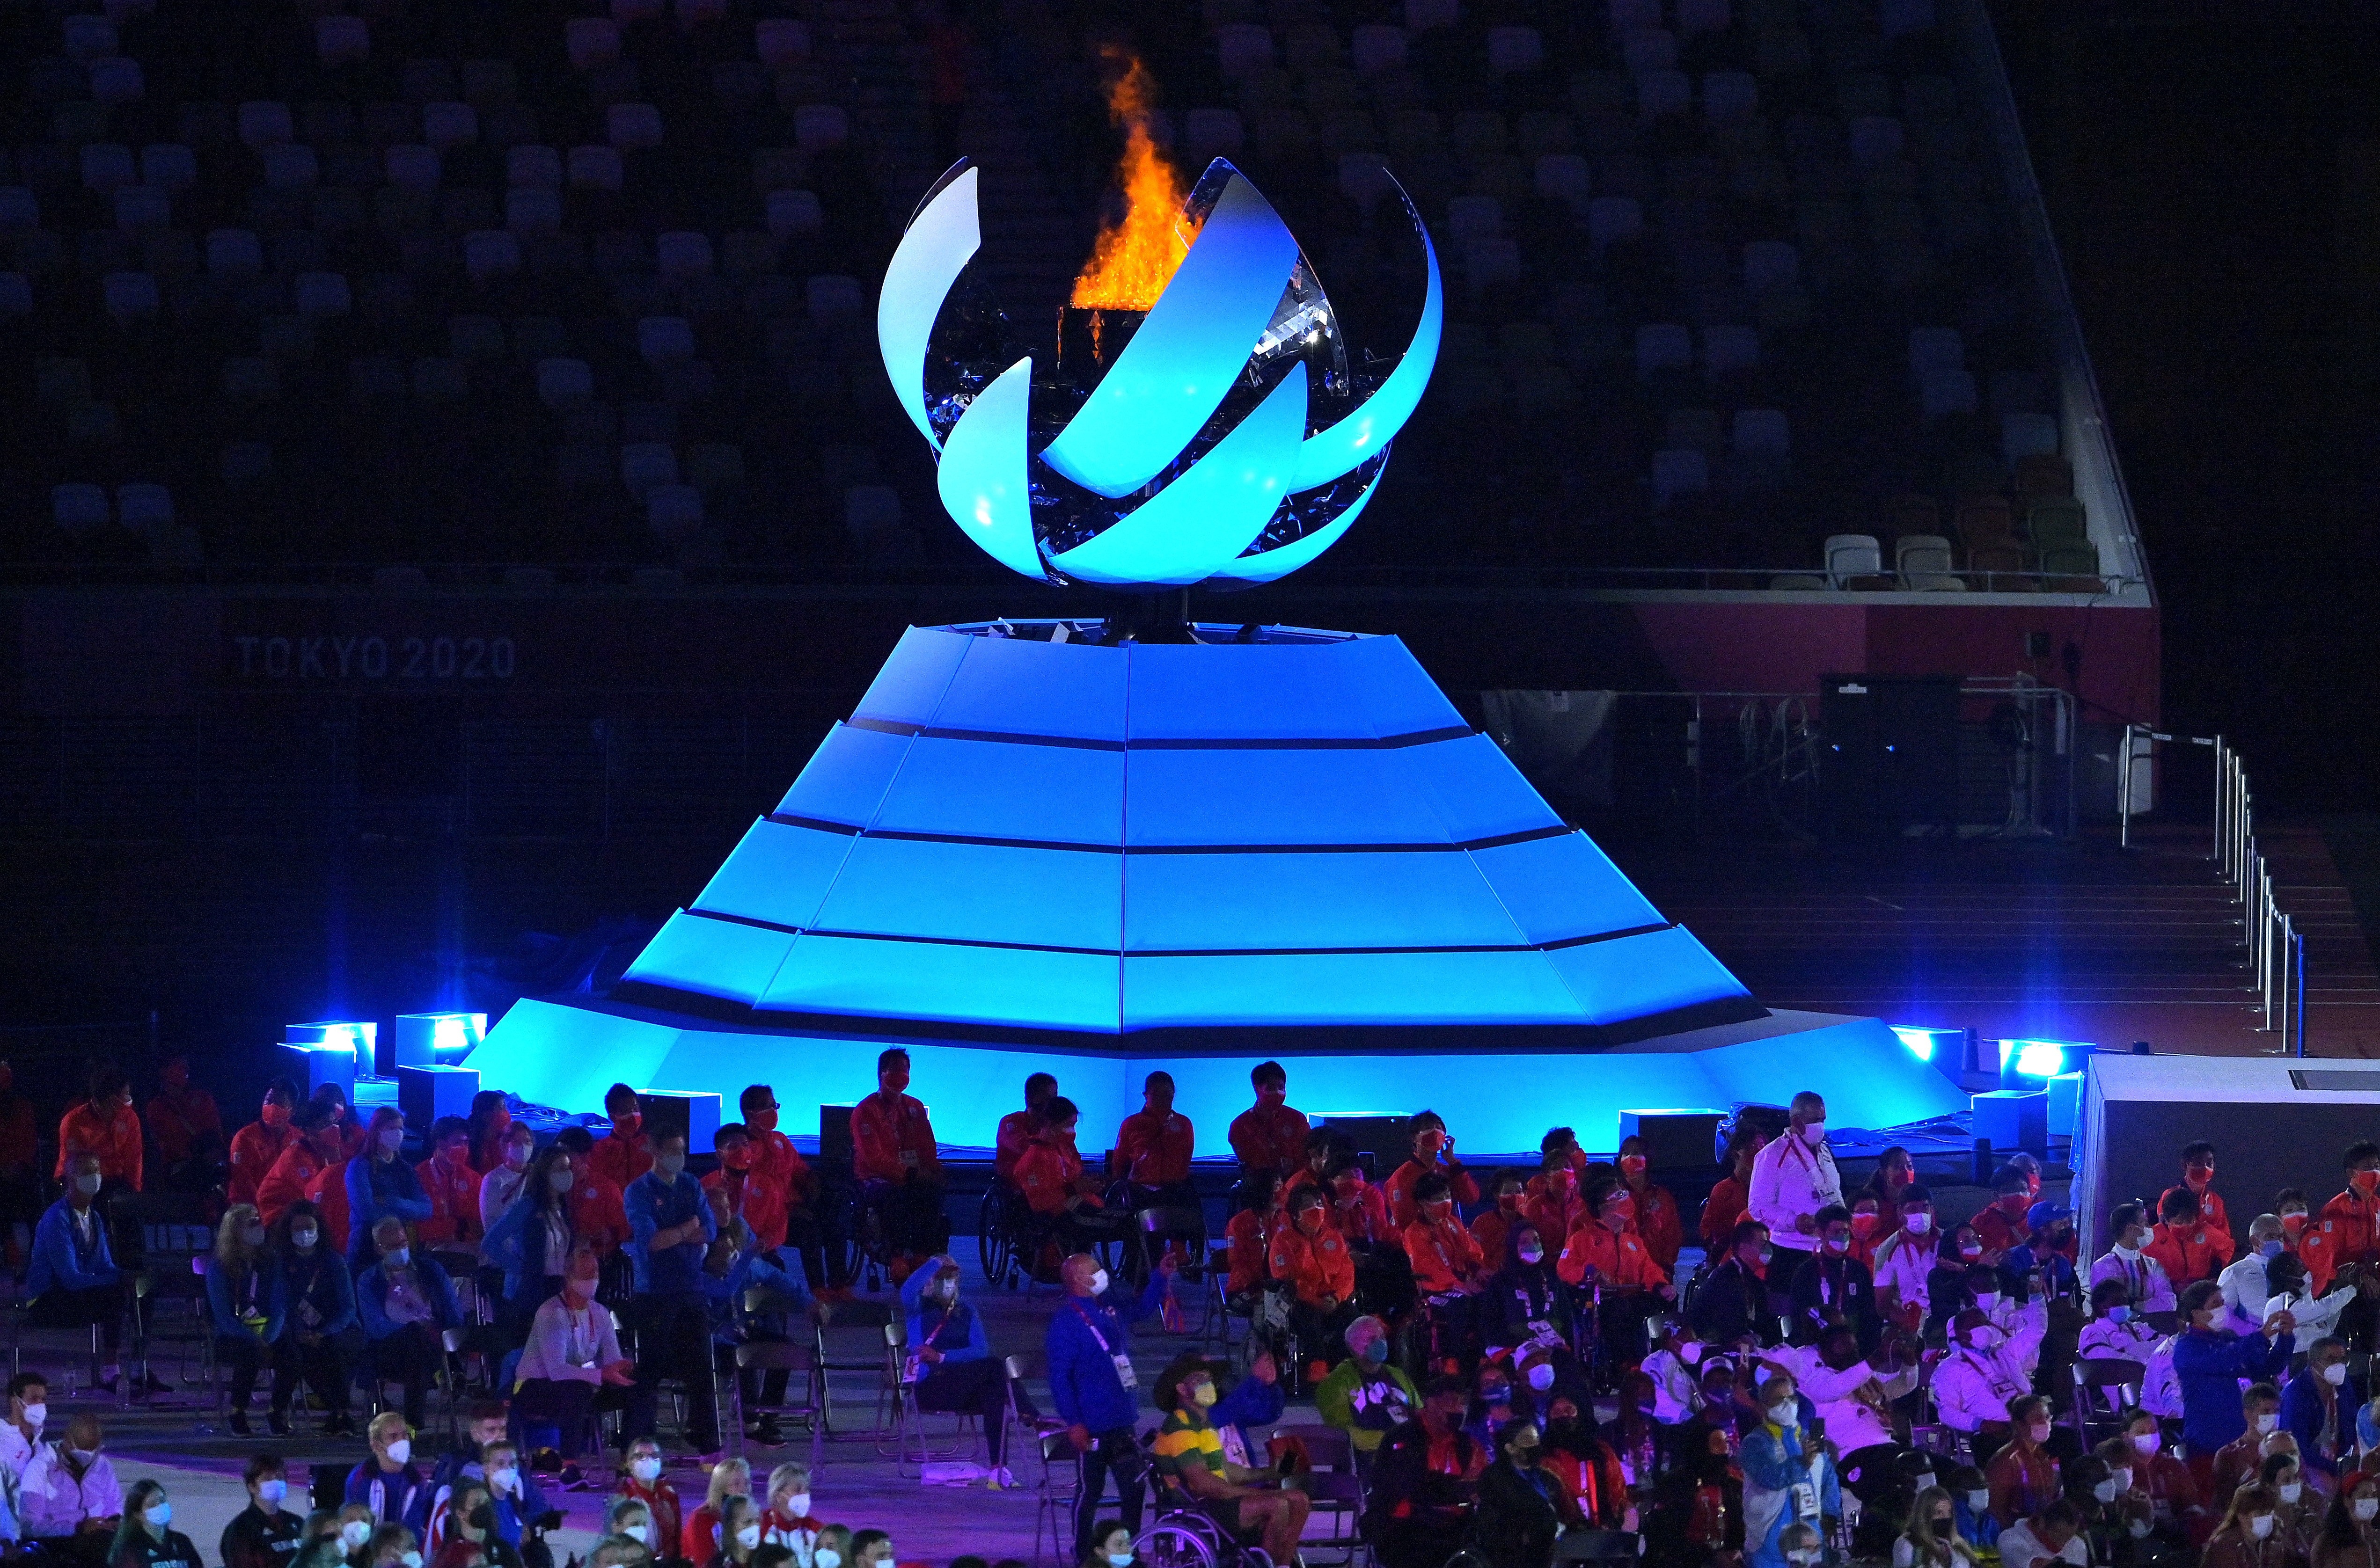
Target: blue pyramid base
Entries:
(1279, 840)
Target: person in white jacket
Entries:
(1853, 1393)
(2285, 1278)
(2243, 1280)
(1794, 1178)
(1673, 1365)
(2117, 1333)
(1983, 1374)
(70, 1488)
(2144, 1278)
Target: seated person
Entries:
(2041, 1256)
(1551, 1199)
(1518, 1515)
(1902, 1262)
(2115, 1333)
(406, 1304)
(70, 1501)
(2318, 1407)
(2236, 1461)
(386, 1482)
(899, 1165)
(1325, 1151)
(1008, 1141)
(1433, 1155)
(1978, 1383)
(1269, 1135)
(1607, 1260)
(1254, 1403)
(1832, 1288)
(2000, 1225)
(952, 1362)
(264, 1534)
(1361, 1211)
(1364, 1396)
(1250, 1504)
(2183, 1243)
(1152, 1150)
(1492, 1228)
(573, 1366)
(1447, 1268)
(72, 1281)
(1424, 1483)
(2024, 1476)
(1592, 1487)
(2147, 1288)
(1247, 1238)
(320, 1339)
(1732, 1304)
(2046, 1540)
(1069, 1214)
(1311, 1258)
(1854, 1396)
(2315, 1315)
(643, 1481)
(1527, 1305)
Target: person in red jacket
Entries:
(1360, 1211)
(1017, 1126)
(1153, 1148)
(899, 1166)
(1248, 1237)
(1311, 1258)
(105, 1125)
(598, 1210)
(352, 1136)
(1325, 1151)
(1269, 1135)
(313, 1147)
(1657, 1211)
(492, 1123)
(1069, 1215)
(1732, 1195)
(189, 1129)
(1551, 1201)
(621, 1155)
(2000, 1223)
(1433, 1155)
(1448, 1269)
(257, 1145)
(1493, 1228)
(2198, 1176)
(776, 1158)
(2184, 1247)
(1607, 1260)
(750, 1194)
(452, 1187)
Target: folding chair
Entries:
(802, 1366)
(1177, 1222)
(2106, 1395)
(1334, 1488)
(849, 1337)
(910, 1446)
(1215, 1319)
(1055, 1499)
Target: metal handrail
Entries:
(2276, 958)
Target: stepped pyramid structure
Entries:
(1290, 840)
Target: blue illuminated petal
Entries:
(1267, 565)
(940, 240)
(1328, 454)
(1211, 512)
(1173, 375)
(983, 478)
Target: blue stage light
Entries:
(2037, 1058)
(1919, 1041)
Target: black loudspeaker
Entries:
(834, 1132)
(1889, 758)
(1674, 1139)
(1385, 1139)
(672, 1111)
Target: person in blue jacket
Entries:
(320, 1336)
(381, 1186)
(2210, 1361)
(2319, 1407)
(1788, 1477)
(1089, 1349)
(72, 1281)
(733, 1263)
(949, 1359)
(408, 1304)
(246, 1302)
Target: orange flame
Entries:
(1134, 259)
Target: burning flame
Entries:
(1134, 259)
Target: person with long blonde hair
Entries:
(698, 1543)
(246, 1302)
(2250, 1536)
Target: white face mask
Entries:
(1919, 1224)
(304, 1237)
(748, 1537)
(797, 1506)
(2127, 1253)
(2039, 1432)
(827, 1557)
(392, 1138)
(1812, 1133)
(2139, 1527)
(1987, 1299)
(1786, 1414)
(645, 1467)
(253, 1236)
(2364, 1508)
(273, 1490)
(159, 1514)
(560, 1177)
(1098, 1282)
(411, 1560)
(2292, 1491)
(2260, 1526)
(2123, 1479)
(88, 1182)
(1984, 1336)
(503, 1482)
(354, 1533)
(643, 1533)
(1541, 1376)
(401, 1450)
(2335, 1374)
(2105, 1492)
(2267, 1421)
(36, 1414)
(2146, 1442)
(1979, 1498)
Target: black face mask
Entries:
(1943, 1522)
(1563, 1432)
(483, 1517)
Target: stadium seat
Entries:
(534, 210)
(1610, 218)
(319, 295)
(1923, 563)
(1626, 16)
(1663, 347)
(2027, 435)
(644, 465)
(1644, 50)
(341, 40)
(1730, 349)
(596, 168)
(632, 125)
(564, 383)
(591, 41)
(88, 37)
(781, 42)
(1514, 49)
(1851, 557)
(244, 462)
(821, 126)
(1663, 93)
(234, 253)
(130, 296)
(1935, 349)
(2041, 477)
(1944, 392)
(1900, 17)
(1561, 176)
(142, 208)
(169, 165)
(533, 167)
(16, 295)
(488, 254)
(1705, 15)
(447, 126)
(1378, 48)
(1730, 97)
(1770, 264)
(1423, 15)
(714, 466)
(412, 166)
(1242, 49)
(665, 340)
(1676, 472)
(19, 209)
(2055, 523)
(438, 381)
(144, 508)
(683, 254)
(78, 508)
(108, 165)
(291, 166)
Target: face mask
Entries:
(1984, 1337)
(748, 1537)
(483, 1519)
(273, 1490)
(1532, 1254)
(276, 1115)
(2266, 1422)
(88, 1182)
(411, 1560)
(2105, 1492)
(1979, 1499)
(392, 1138)
(505, 1481)
(2364, 1508)
(1098, 1282)
(1765, 1254)
(2272, 1249)
(1944, 1524)
(2261, 1525)
(1120, 1559)
(643, 1533)
(797, 1506)
(2294, 1221)
(1987, 1299)
(645, 1469)
(766, 1121)
(2123, 1479)
(1838, 1243)
(2335, 1374)
(669, 1167)
(1633, 1163)
(253, 1236)
(2117, 1313)
(1812, 1133)
(2365, 1182)
(400, 1257)
(517, 1156)
(304, 1237)
(36, 1414)
(1375, 1351)
(1541, 1376)
(560, 1177)
(353, 1534)
(2146, 1442)
(827, 1557)
(629, 1124)
(159, 1514)
(401, 1450)
(2039, 1432)
(1919, 1223)
(1864, 1226)
(1786, 1414)
(1202, 1396)
(2290, 1490)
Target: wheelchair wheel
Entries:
(1168, 1543)
(994, 1246)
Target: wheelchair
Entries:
(1185, 1536)
(868, 1250)
(1003, 1233)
